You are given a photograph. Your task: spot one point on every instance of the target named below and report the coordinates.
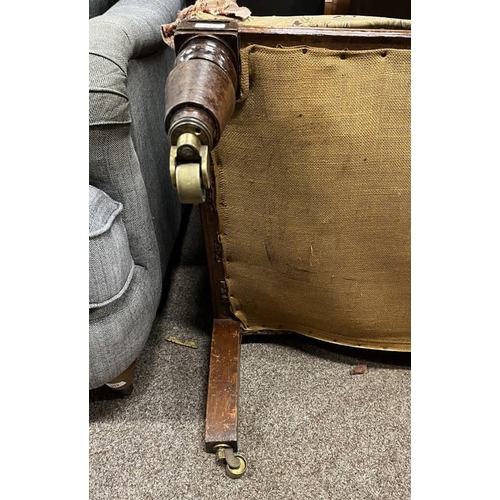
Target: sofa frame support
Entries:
(200, 106)
(221, 431)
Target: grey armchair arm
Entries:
(134, 214)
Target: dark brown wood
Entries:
(223, 385)
(200, 83)
(336, 7)
(332, 38)
(200, 93)
(210, 222)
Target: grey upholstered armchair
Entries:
(134, 215)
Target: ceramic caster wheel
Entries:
(236, 473)
(189, 183)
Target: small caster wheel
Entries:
(236, 473)
(126, 392)
(113, 393)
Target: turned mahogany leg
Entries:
(123, 383)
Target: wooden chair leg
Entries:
(123, 384)
(221, 431)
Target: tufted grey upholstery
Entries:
(128, 175)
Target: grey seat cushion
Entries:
(111, 266)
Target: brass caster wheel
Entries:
(237, 472)
(236, 465)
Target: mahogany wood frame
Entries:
(222, 398)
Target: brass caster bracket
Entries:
(189, 168)
(236, 465)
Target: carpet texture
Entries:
(308, 428)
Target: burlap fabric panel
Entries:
(313, 194)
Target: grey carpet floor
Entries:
(308, 429)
